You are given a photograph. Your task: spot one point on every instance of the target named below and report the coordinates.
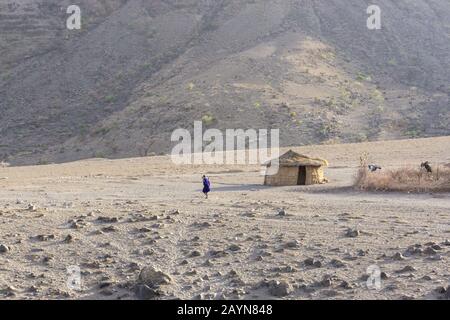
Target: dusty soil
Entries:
(125, 215)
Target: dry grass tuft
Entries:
(403, 179)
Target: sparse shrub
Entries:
(363, 77)
(99, 155)
(191, 86)
(392, 62)
(208, 119)
(378, 96)
(110, 99)
(42, 162)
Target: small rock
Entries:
(337, 263)
(352, 233)
(345, 285)
(144, 292)
(109, 229)
(436, 247)
(107, 219)
(406, 269)
(398, 256)
(384, 275)
(195, 253)
(281, 213)
(153, 277)
(279, 288)
(234, 247)
(413, 250)
(292, 244)
(4, 248)
(43, 237)
(68, 239)
(311, 262)
(430, 251)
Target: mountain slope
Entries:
(140, 69)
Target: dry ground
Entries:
(226, 246)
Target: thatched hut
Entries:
(295, 169)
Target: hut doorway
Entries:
(301, 181)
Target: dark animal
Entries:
(427, 166)
(374, 167)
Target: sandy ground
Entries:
(127, 215)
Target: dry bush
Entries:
(403, 179)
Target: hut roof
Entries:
(294, 159)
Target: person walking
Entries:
(206, 186)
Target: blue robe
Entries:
(206, 185)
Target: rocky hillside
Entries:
(138, 69)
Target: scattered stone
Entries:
(259, 258)
(106, 292)
(427, 278)
(398, 256)
(436, 257)
(345, 285)
(42, 237)
(202, 224)
(352, 233)
(362, 253)
(33, 289)
(8, 291)
(31, 208)
(107, 220)
(406, 269)
(330, 293)
(217, 253)
(279, 288)
(444, 292)
(4, 248)
(311, 262)
(109, 229)
(92, 265)
(430, 251)
(285, 269)
(292, 244)
(174, 212)
(68, 239)
(144, 292)
(281, 213)
(413, 250)
(153, 277)
(207, 263)
(337, 263)
(195, 253)
(384, 275)
(234, 247)
(436, 247)
(148, 252)
(327, 281)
